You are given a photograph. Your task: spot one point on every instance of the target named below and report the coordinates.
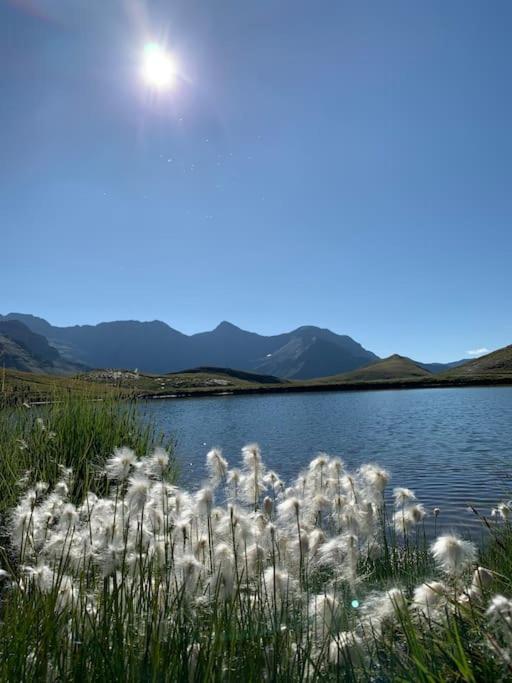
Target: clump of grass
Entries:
(73, 431)
(318, 580)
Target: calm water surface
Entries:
(452, 446)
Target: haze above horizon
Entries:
(345, 165)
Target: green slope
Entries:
(495, 366)
(392, 369)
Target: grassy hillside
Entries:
(394, 368)
(18, 386)
(495, 366)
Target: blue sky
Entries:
(343, 164)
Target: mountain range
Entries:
(155, 347)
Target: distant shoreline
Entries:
(31, 388)
(317, 388)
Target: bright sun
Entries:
(158, 67)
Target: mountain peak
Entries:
(311, 331)
(33, 322)
(225, 325)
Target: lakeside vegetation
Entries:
(111, 571)
(71, 432)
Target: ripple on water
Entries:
(453, 446)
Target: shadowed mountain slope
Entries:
(310, 352)
(16, 357)
(23, 349)
(304, 353)
(34, 343)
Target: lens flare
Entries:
(159, 69)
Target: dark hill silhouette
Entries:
(229, 372)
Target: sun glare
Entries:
(158, 68)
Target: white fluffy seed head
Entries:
(504, 511)
(256, 557)
(268, 506)
(251, 456)
(482, 580)
(338, 503)
(429, 597)
(408, 517)
(376, 477)
(252, 487)
(157, 464)
(403, 495)
(41, 487)
(190, 569)
(336, 466)
(316, 539)
(234, 476)
(332, 553)
(452, 554)
(380, 609)
(138, 491)
(69, 516)
(272, 479)
(217, 465)
(325, 612)
(119, 464)
(277, 581)
(499, 612)
(61, 489)
(319, 462)
(204, 499)
(290, 506)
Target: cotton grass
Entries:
(292, 572)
